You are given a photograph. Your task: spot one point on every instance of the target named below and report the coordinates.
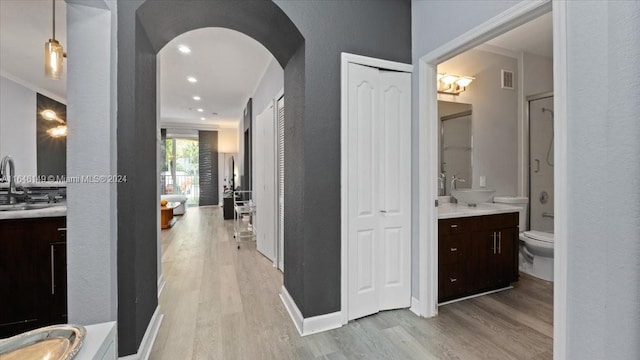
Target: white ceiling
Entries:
(25, 26)
(534, 37)
(228, 66)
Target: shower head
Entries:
(549, 110)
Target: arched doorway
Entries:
(155, 24)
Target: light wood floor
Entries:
(223, 303)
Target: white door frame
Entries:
(278, 262)
(346, 59)
(428, 152)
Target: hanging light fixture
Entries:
(53, 52)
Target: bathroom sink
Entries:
(473, 196)
(57, 342)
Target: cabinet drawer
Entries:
(454, 226)
(498, 221)
(450, 282)
(451, 248)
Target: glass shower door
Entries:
(541, 194)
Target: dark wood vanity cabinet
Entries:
(33, 274)
(476, 254)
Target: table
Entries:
(166, 215)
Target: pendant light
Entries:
(53, 53)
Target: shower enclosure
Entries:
(541, 136)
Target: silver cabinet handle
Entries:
(453, 280)
(500, 242)
(454, 249)
(53, 279)
(494, 242)
(454, 226)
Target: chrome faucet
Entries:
(13, 195)
(442, 184)
(454, 180)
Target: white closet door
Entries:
(379, 210)
(265, 190)
(395, 189)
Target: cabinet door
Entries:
(504, 259)
(58, 286)
(22, 305)
(482, 265)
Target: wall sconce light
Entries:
(453, 84)
(53, 53)
(58, 131)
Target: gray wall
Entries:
(379, 29)
(603, 290)
(18, 125)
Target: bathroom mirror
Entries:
(456, 145)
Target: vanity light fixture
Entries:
(453, 84)
(58, 131)
(53, 52)
(51, 115)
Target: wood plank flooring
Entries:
(223, 303)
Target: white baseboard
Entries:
(161, 284)
(311, 325)
(475, 295)
(148, 339)
(415, 306)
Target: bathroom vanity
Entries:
(33, 279)
(478, 249)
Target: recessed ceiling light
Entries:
(200, 110)
(184, 49)
(203, 118)
(192, 80)
(196, 98)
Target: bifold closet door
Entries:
(265, 183)
(379, 242)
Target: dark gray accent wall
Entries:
(306, 37)
(51, 152)
(208, 163)
(137, 198)
(380, 29)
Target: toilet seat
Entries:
(539, 236)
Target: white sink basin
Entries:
(473, 196)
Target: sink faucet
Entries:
(454, 180)
(13, 195)
(442, 184)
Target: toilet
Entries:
(536, 247)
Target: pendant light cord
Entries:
(53, 6)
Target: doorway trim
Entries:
(345, 60)
(515, 16)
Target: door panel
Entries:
(363, 204)
(395, 186)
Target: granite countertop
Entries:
(54, 211)
(449, 210)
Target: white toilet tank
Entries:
(517, 201)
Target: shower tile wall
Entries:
(541, 192)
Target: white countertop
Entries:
(54, 211)
(449, 210)
(99, 343)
